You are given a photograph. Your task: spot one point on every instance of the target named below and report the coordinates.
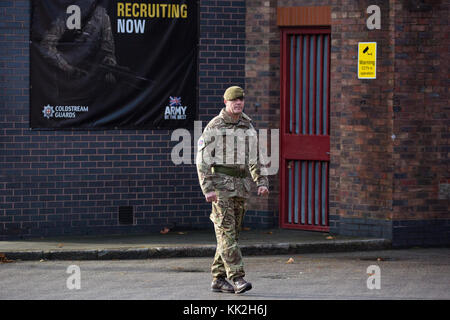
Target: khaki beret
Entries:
(233, 92)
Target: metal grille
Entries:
(305, 140)
(308, 193)
(308, 84)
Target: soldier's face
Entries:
(235, 106)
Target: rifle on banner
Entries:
(123, 73)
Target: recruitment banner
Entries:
(108, 64)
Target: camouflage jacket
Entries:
(231, 144)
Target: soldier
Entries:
(226, 184)
(76, 54)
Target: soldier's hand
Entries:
(263, 191)
(109, 61)
(211, 196)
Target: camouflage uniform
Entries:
(231, 184)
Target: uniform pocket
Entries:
(222, 214)
(224, 182)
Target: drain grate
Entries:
(126, 215)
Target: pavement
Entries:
(192, 243)
(413, 273)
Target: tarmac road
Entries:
(421, 273)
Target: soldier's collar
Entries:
(228, 119)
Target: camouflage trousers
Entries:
(227, 216)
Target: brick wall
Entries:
(73, 182)
(360, 186)
(421, 121)
(361, 124)
(263, 89)
(389, 136)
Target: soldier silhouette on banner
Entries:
(81, 57)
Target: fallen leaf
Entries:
(60, 245)
(329, 238)
(164, 231)
(270, 232)
(290, 260)
(42, 260)
(246, 228)
(4, 259)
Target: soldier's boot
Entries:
(240, 285)
(221, 285)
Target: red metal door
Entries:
(305, 128)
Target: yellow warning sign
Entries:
(367, 60)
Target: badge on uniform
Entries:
(200, 143)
